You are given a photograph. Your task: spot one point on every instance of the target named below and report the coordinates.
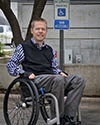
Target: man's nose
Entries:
(40, 30)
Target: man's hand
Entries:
(32, 76)
(63, 74)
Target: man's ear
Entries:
(31, 30)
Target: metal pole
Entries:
(61, 46)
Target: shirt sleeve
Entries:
(55, 67)
(13, 64)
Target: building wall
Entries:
(83, 37)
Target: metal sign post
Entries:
(61, 23)
(61, 46)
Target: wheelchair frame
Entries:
(21, 109)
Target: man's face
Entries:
(39, 31)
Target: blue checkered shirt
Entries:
(14, 64)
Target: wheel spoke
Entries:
(20, 103)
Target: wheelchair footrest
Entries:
(78, 123)
(52, 121)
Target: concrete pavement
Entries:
(90, 111)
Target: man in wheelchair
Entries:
(40, 65)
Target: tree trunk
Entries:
(14, 26)
(5, 7)
(38, 8)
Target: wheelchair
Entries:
(23, 101)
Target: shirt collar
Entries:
(34, 42)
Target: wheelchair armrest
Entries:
(65, 73)
(25, 74)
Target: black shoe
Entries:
(67, 121)
(62, 121)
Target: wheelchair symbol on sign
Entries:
(61, 12)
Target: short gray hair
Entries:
(38, 20)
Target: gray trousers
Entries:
(60, 86)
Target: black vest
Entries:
(37, 61)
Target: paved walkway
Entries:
(90, 111)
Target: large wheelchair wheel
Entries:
(21, 103)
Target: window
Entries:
(85, 1)
(1, 29)
(72, 1)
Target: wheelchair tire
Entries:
(45, 108)
(18, 108)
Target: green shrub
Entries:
(2, 53)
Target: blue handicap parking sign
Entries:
(61, 24)
(61, 12)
